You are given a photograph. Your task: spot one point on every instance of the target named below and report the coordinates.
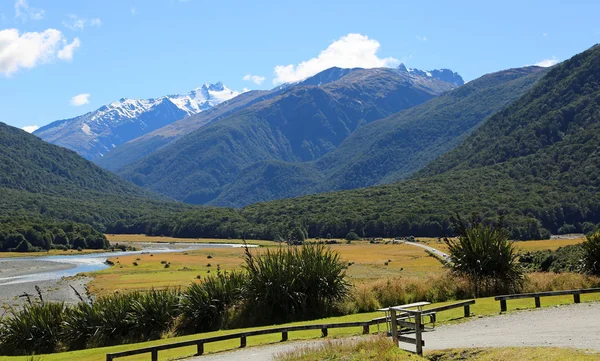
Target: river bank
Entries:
(56, 275)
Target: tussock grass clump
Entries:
(378, 348)
(401, 290)
(544, 281)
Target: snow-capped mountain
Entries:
(446, 75)
(93, 134)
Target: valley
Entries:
(306, 191)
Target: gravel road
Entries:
(573, 326)
(431, 249)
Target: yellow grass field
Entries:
(369, 263)
(523, 246)
(135, 238)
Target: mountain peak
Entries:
(446, 75)
(93, 134)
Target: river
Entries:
(21, 275)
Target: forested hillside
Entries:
(41, 183)
(389, 149)
(301, 124)
(537, 161)
(30, 164)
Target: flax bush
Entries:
(294, 283)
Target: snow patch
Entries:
(86, 129)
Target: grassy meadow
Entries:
(483, 307)
(367, 263)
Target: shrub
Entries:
(591, 256)
(205, 305)
(153, 313)
(294, 283)
(34, 329)
(485, 256)
(352, 236)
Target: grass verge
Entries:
(483, 307)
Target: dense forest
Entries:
(28, 235)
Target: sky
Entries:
(63, 58)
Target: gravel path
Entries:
(437, 252)
(573, 326)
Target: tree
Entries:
(484, 255)
(352, 236)
(591, 258)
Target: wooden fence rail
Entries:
(199, 343)
(576, 296)
(153, 350)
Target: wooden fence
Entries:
(199, 343)
(576, 296)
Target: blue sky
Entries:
(63, 58)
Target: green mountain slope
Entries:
(302, 124)
(30, 164)
(41, 182)
(388, 149)
(536, 160)
(393, 148)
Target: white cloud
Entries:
(547, 62)
(76, 23)
(30, 128)
(256, 79)
(545, 34)
(350, 51)
(67, 52)
(421, 38)
(80, 99)
(24, 12)
(28, 50)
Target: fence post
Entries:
(576, 298)
(243, 341)
(154, 355)
(418, 335)
(467, 310)
(284, 336)
(394, 322)
(324, 332)
(366, 329)
(199, 348)
(502, 305)
(537, 302)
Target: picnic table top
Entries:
(403, 307)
